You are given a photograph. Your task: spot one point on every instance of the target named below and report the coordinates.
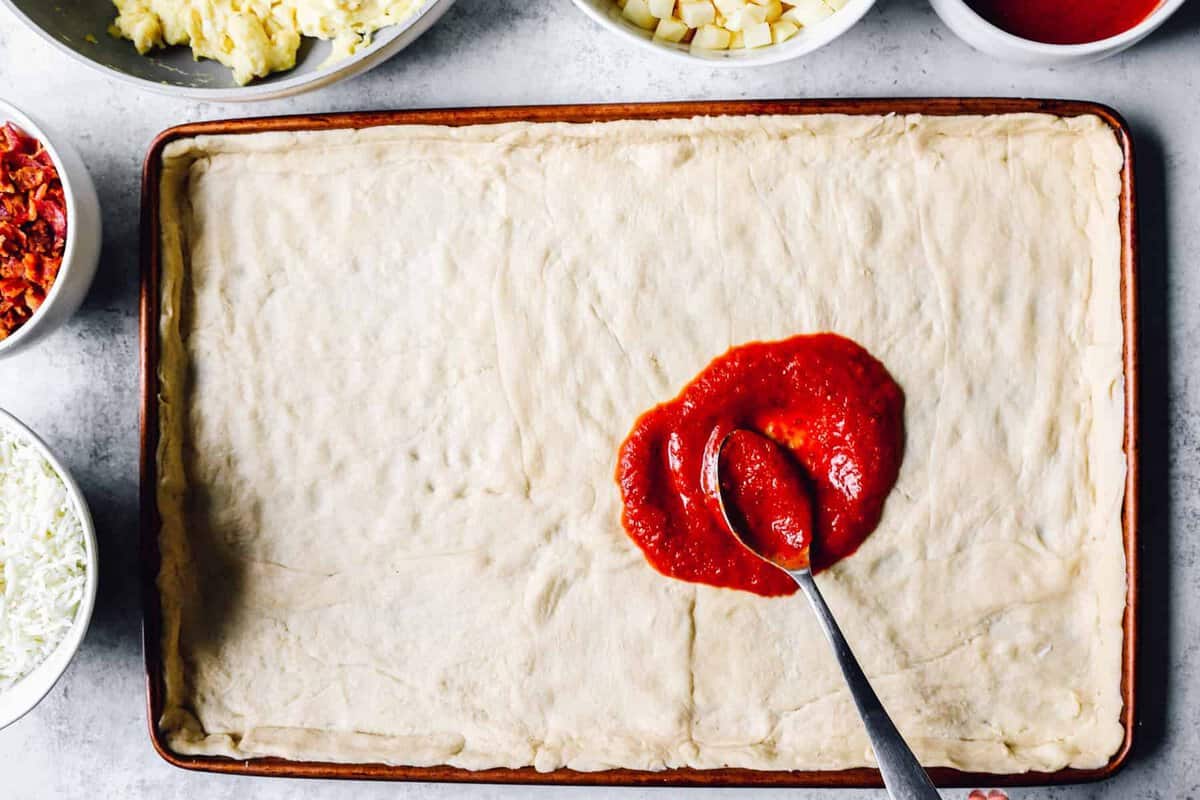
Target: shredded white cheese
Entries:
(42, 559)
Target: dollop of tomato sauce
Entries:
(765, 496)
(1064, 21)
(822, 397)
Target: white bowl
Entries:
(986, 37)
(608, 14)
(82, 252)
(20, 698)
(78, 28)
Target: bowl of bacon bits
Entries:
(49, 231)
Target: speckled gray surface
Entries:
(79, 388)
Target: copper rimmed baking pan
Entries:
(852, 778)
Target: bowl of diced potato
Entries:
(728, 33)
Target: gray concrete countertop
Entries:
(79, 388)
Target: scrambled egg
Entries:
(255, 37)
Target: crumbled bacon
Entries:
(33, 227)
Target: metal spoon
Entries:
(903, 775)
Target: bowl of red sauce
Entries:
(1053, 32)
(50, 231)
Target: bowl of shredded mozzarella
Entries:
(48, 569)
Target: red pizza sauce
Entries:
(33, 227)
(765, 496)
(1064, 21)
(835, 409)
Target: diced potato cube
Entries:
(638, 12)
(671, 29)
(783, 30)
(697, 13)
(710, 37)
(774, 9)
(662, 8)
(750, 15)
(758, 35)
(807, 12)
(729, 7)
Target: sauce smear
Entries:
(831, 405)
(1064, 21)
(766, 498)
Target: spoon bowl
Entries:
(764, 494)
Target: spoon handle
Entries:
(902, 773)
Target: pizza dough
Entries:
(397, 364)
